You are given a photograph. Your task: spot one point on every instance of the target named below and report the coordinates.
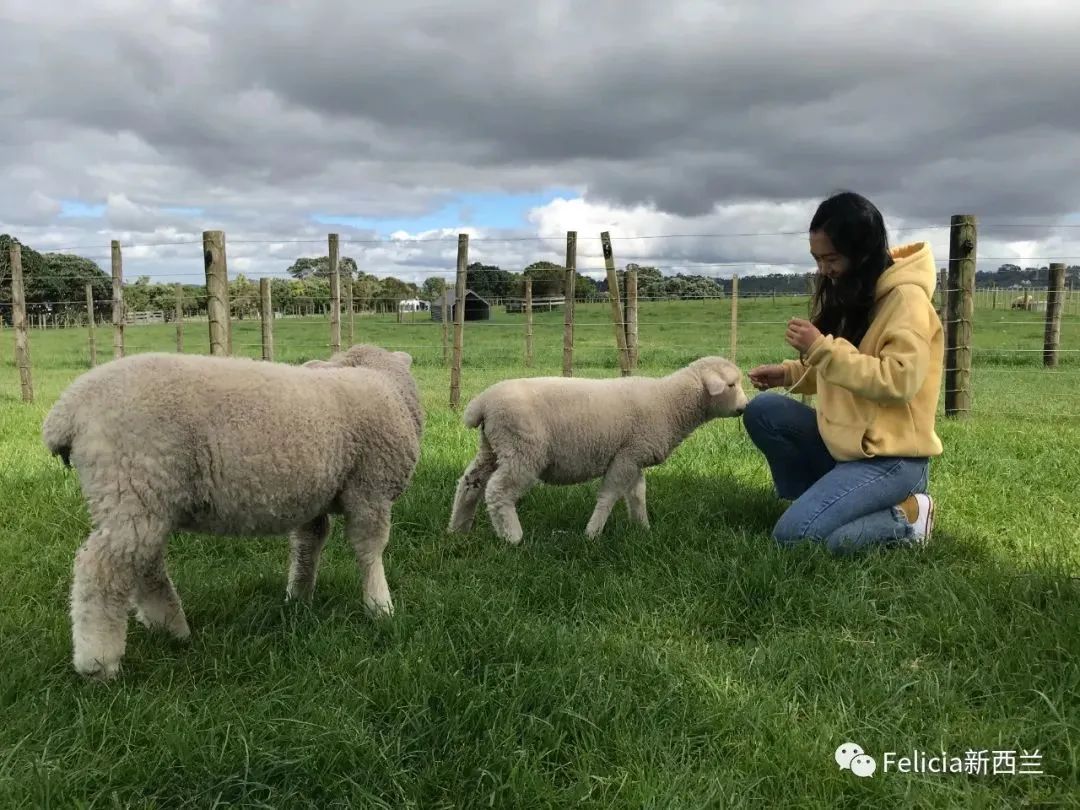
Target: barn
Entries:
(476, 308)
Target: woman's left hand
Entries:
(801, 334)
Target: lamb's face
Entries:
(723, 382)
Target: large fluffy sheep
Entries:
(169, 442)
(568, 430)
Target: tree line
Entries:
(55, 283)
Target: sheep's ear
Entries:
(714, 383)
(404, 357)
(318, 364)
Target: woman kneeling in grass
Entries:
(857, 468)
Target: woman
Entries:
(857, 468)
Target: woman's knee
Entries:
(793, 528)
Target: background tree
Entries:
(432, 288)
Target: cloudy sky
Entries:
(701, 134)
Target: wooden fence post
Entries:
(335, 297)
(90, 323)
(117, 300)
(1055, 292)
(266, 314)
(459, 318)
(179, 316)
(734, 316)
(217, 290)
(528, 324)
(568, 305)
(445, 324)
(22, 334)
(350, 306)
(961, 282)
(616, 307)
(943, 291)
(632, 315)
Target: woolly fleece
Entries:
(230, 446)
(569, 430)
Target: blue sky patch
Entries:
(77, 209)
(483, 210)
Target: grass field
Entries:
(690, 666)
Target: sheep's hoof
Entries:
(175, 624)
(94, 669)
(379, 608)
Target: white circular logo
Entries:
(863, 765)
(847, 752)
(851, 757)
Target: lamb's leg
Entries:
(635, 501)
(507, 485)
(157, 604)
(305, 548)
(107, 568)
(620, 477)
(470, 488)
(367, 525)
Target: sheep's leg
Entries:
(305, 548)
(106, 571)
(620, 477)
(507, 485)
(470, 488)
(635, 500)
(367, 525)
(157, 604)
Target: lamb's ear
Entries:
(405, 357)
(318, 364)
(714, 383)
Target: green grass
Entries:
(690, 666)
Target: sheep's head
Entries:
(722, 382)
(367, 355)
(397, 365)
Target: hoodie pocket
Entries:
(847, 420)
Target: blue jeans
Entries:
(848, 505)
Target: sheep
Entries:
(229, 446)
(1023, 302)
(566, 430)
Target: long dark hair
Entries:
(841, 307)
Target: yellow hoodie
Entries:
(880, 399)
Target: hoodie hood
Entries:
(912, 264)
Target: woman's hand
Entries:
(801, 334)
(768, 376)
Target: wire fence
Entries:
(1014, 351)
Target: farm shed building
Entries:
(476, 308)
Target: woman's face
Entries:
(829, 262)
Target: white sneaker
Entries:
(924, 523)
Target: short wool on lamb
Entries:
(569, 430)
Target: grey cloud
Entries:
(263, 114)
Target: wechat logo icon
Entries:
(850, 756)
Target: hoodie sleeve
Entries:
(896, 373)
(799, 378)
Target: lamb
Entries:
(559, 430)
(229, 446)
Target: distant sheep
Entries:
(1020, 302)
(569, 430)
(171, 442)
